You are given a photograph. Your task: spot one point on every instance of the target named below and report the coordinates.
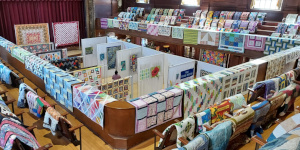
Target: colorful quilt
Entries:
(261, 17)
(237, 15)
(20, 53)
(208, 38)
(66, 33)
(275, 45)
(252, 16)
(112, 56)
(244, 25)
(218, 111)
(255, 42)
(35, 65)
(232, 42)
(157, 108)
(230, 14)
(152, 29)
(291, 18)
(275, 66)
(133, 62)
(281, 28)
(65, 64)
(51, 55)
(223, 15)
(36, 48)
(133, 25)
(142, 27)
(190, 36)
(252, 26)
(214, 57)
(177, 32)
(104, 23)
(91, 76)
(32, 34)
(293, 29)
(164, 30)
(216, 15)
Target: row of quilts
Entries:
(118, 89)
(208, 90)
(157, 108)
(65, 33)
(67, 64)
(132, 13)
(287, 31)
(58, 84)
(90, 101)
(8, 45)
(36, 48)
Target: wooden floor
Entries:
(89, 140)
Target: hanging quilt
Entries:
(198, 13)
(230, 14)
(232, 42)
(142, 27)
(66, 33)
(32, 33)
(177, 32)
(281, 28)
(275, 66)
(293, 29)
(208, 38)
(228, 24)
(214, 57)
(70, 63)
(110, 23)
(36, 48)
(111, 56)
(275, 45)
(51, 55)
(203, 14)
(164, 30)
(237, 15)
(20, 53)
(244, 25)
(35, 65)
(255, 43)
(133, 25)
(261, 17)
(104, 23)
(91, 76)
(133, 62)
(216, 15)
(190, 36)
(252, 26)
(252, 16)
(157, 108)
(152, 29)
(244, 16)
(123, 25)
(291, 18)
(223, 15)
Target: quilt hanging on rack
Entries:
(214, 57)
(275, 45)
(35, 65)
(51, 55)
(66, 33)
(190, 36)
(36, 48)
(177, 32)
(65, 64)
(255, 43)
(157, 108)
(208, 38)
(111, 56)
(20, 54)
(32, 33)
(275, 65)
(91, 76)
(90, 101)
(232, 42)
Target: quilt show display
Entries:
(204, 69)
(157, 108)
(90, 101)
(232, 42)
(51, 55)
(32, 34)
(118, 89)
(20, 53)
(214, 57)
(91, 76)
(36, 48)
(35, 65)
(133, 62)
(111, 56)
(66, 33)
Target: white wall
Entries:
(91, 59)
(207, 67)
(148, 51)
(124, 55)
(150, 84)
(102, 48)
(176, 72)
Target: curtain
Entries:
(43, 11)
(252, 4)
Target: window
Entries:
(190, 2)
(266, 4)
(142, 1)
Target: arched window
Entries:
(190, 2)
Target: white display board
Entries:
(150, 74)
(126, 44)
(102, 57)
(124, 57)
(203, 68)
(149, 52)
(181, 73)
(89, 50)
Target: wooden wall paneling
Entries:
(114, 7)
(103, 8)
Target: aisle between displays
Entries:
(204, 69)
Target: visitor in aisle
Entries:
(116, 76)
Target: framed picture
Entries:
(120, 88)
(125, 87)
(115, 90)
(104, 87)
(110, 85)
(109, 92)
(126, 81)
(121, 82)
(116, 83)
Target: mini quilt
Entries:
(223, 14)
(36, 48)
(293, 29)
(190, 36)
(156, 11)
(173, 20)
(152, 29)
(123, 25)
(157, 19)
(162, 19)
(177, 32)
(66, 33)
(232, 42)
(116, 23)
(166, 11)
(255, 42)
(230, 14)
(196, 21)
(252, 16)
(164, 30)
(152, 11)
(208, 38)
(244, 16)
(167, 20)
(216, 15)
(244, 25)
(228, 24)
(236, 24)
(221, 23)
(32, 33)
(208, 23)
(281, 28)
(198, 13)
(203, 14)
(104, 23)
(252, 26)
(202, 22)
(110, 23)
(291, 18)
(209, 15)
(142, 27)
(261, 17)
(170, 13)
(181, 14)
